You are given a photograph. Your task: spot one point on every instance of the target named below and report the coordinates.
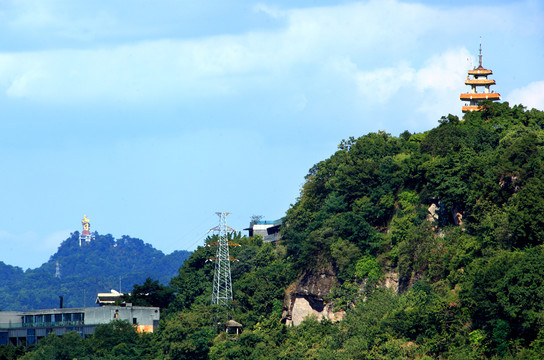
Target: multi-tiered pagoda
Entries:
(479, 87)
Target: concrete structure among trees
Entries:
(269, 230)
(109, 298)
(27, 327)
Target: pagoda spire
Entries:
(479, 87)
(480, 56)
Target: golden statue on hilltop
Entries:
(86, 233)
(86, 223)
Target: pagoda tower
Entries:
(479, 87)
(86, 233)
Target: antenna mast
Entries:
(480, 56)
(222, 282)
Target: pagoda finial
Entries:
(480, 56)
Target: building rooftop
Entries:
(268, 222)
(480, 96)
(480, 70)
(479, 82)
(108, 298)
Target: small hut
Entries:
(233, 328)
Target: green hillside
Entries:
(95, 267)
(455, 215)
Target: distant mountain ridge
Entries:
(98, 266)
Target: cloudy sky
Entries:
(151, 116)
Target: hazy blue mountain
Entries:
(99, 266)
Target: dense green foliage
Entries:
(95, 267)
(453, 215)
(150, 293)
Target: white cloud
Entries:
(12, 240)
(52, 241)
(433, 87)
(17, 246)
(30, 247)
(381, 48)
(444, 72)
(379, 27)
(531, 96)
(271, 11)
(299, 102)
(33, 14)
(382, 84)
(60, 19)
(212, 66)
(22, 83)
(440, 82)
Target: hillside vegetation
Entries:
(98, 266)
(456, 214)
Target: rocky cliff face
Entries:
(306, 297)
(391, 279)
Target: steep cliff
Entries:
(306, 297)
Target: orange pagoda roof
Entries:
(480, 70)
(480, 96)
(470, 108)
(479, 82)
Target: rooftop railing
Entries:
(41, 324)
(268, 222)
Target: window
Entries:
(77, 317)
(31, 336)
(134, 321)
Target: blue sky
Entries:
(151, 116)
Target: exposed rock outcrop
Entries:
(432, 216)
(406, 282)
(457, 216)
(391, 279)
(510, 182)
(307, 296)
(437, 213)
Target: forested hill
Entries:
(431, 245)
(98, 266)
(456, 214)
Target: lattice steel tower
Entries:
(222, 283)
(57, 272)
